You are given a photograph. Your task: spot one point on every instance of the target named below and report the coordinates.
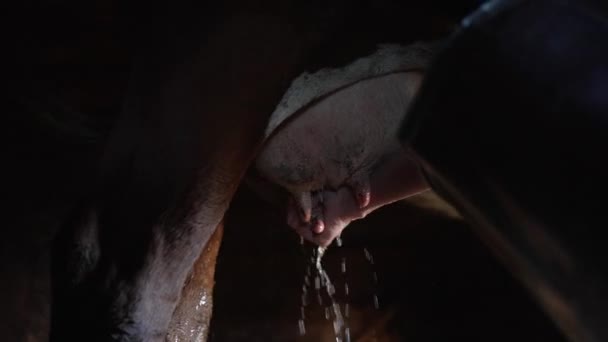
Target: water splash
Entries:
(334, 307)
(346, 293)
(323, 287)
(316, 279)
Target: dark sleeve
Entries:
(511, 126)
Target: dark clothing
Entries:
(511, 126)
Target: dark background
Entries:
(66, 69)
(437, 281)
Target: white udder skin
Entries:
(338, 141)
(340, 136)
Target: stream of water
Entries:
(318, 285)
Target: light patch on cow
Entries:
(309, 87)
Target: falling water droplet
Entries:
(338, 314)
(323, 284)
(336, 328)
(486, 7)
(319, 256)
(368, 256)
(301, 327)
